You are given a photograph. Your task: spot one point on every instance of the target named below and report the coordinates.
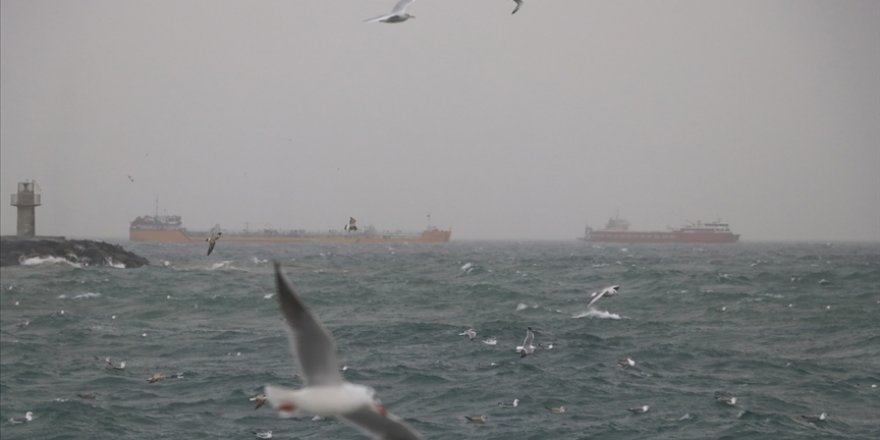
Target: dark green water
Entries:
(750, 320)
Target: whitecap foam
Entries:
(113, 264)
(521, 306)
(36, 261)
(87, 295)
(601, 314)
(221, 265)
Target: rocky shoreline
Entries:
(20, 250)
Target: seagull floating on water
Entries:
(626, 362)
(111, 365)
(477, 419)
(490, 341)
(815, 419)
(606, 292)
(156, 377)
(639, 409)
(325, 392)
(263, 434)
(513, 404)
(88, 396)
(527, 346)
(556, 409)
(397, 15)
(470, 333)
(28, 416)
(727, 400)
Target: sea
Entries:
(789, 329)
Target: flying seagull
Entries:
(470, 333)
(606, 292)
(212, 240)
(326, 393)
(527, 348)
(518, 4)
(397, 15)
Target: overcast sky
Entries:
(297, 114)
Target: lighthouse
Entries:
(26, 200)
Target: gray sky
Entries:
(296, 114)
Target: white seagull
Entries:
(470, 333)
(606, 292)
(639, 409)
(212, 240)
(527, 346)
(326, 393)
(725, 399)
(28, 416)
(397, 15)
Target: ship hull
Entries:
(661, 237)
(182, 236)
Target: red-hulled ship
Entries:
(617, 231)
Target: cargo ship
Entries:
(169, 229)
(617, 231)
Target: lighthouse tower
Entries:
(27, 198)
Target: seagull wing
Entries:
(518, 4)
(379, 18)
(597, 297)
(314, 346)
(386, 427)
(401, 6)
(530, 338)
(211, 244)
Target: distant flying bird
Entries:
(351, 226)
(470, 333)
(212, 240)
(397, 15)
(259, 400)
(518, 4)
(326, 393)
(130, 178)
(606, 292)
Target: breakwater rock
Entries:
(81, 253)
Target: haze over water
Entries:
(790, 329)
(297, 115)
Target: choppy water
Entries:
(755, 321)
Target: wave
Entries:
(601, 314)
(81, 295)
(111, 263)
(36, 261)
